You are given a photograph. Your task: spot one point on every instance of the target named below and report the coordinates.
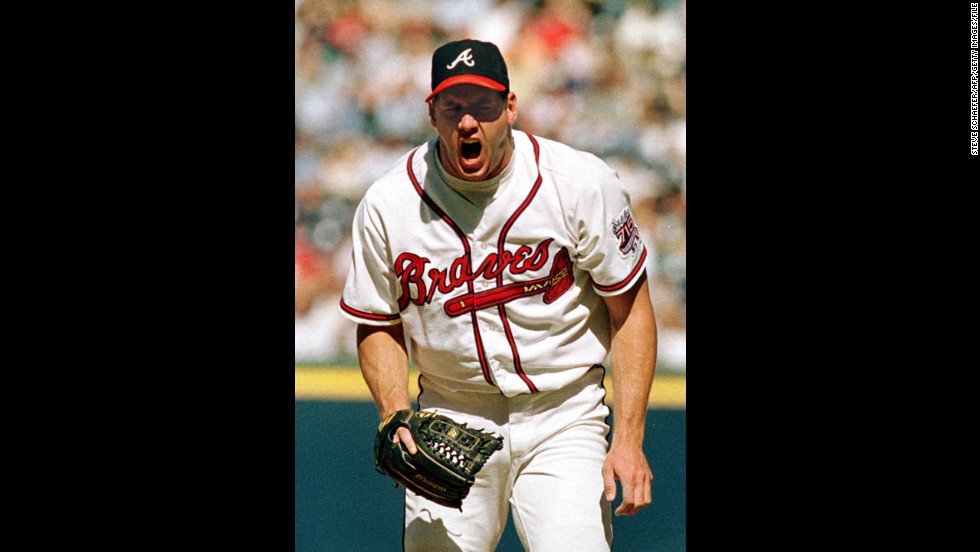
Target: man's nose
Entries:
(468, 122)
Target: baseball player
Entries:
(506, 267)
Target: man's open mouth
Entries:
(470, 149)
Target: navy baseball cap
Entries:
(468, 62)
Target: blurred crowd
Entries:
(605, 76)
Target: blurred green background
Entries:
(343, 504)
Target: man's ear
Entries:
(432, 115)
(511, 108)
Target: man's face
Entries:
(474, 130)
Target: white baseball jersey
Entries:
(498, 287)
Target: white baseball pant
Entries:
(548, 473)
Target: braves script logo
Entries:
(419, 285)
(625, 229)
(465, 56)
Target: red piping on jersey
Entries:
(484, 365)
(500, 277)
(367, 315)
(637, 268)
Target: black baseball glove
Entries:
(448, 459)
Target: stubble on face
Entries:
(474, 125)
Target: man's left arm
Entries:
(634, 356)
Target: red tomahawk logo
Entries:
(553, 285)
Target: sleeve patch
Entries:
(625, 229)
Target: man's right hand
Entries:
(404, 436)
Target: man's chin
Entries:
(471, 169)
(473, 176)
(471, 173)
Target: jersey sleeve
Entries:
(609, 244)
(370, 292)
